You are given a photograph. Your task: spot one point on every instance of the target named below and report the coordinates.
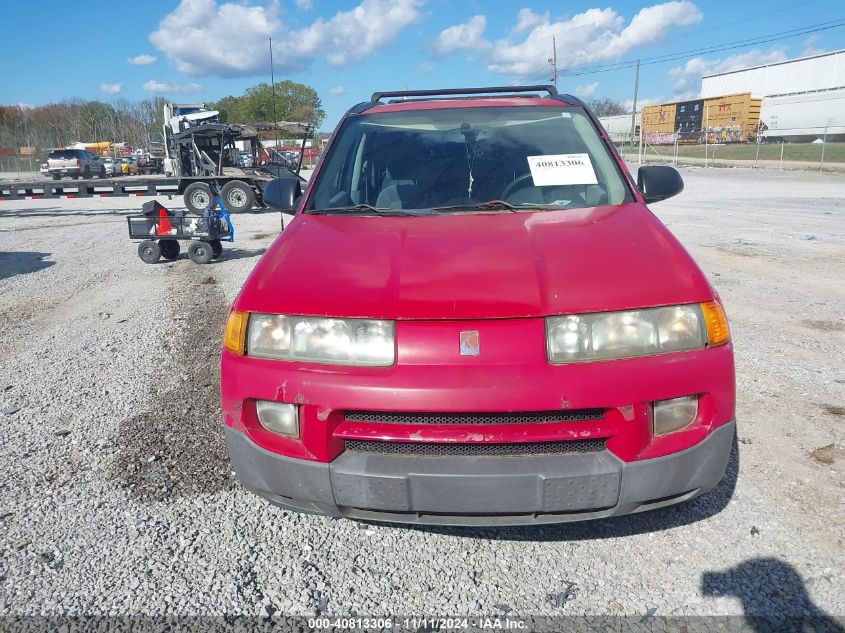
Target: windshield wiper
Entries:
(489, 205)
(356, 209)
(501, 205)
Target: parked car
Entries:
(109, 164)
(503, 334)
(44, 170)
(75, 163)
(129, 166)
(244, 159)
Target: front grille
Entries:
(475, 449)
(517, 417)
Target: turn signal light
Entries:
(235, 333)
(716, 323)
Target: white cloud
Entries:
(645, 101)
(303, 4)
(427, 67)
(353, 35)
(586, 90)
(468, 35)
(202, 37)
(594, 35)
(171, 88)
(337, 91)
(809, 47)
(111, 89)
(687, 78)
(142, 60)
(526, 19)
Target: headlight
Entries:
(321, 340)
(607, 335)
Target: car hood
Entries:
(474, 265)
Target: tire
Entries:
(169, 249)
(197, 197)
(216, 248)
(237, 196)
(200, 252)
(149, 252)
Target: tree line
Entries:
(78, 120)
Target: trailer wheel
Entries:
(169, 249)
(237, 196)
(217, 248)
(149, 251)
(197, 197)
(200, 252)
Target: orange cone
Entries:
(164, 227)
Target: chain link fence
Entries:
(22, 167)
(825, 152)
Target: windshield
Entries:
(519, 157)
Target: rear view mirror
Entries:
(281, 193)
(658, 182)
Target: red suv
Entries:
(473, 318)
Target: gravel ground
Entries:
(117, 497)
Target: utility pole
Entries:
(553, 62)
(824, 142)
(634, 110)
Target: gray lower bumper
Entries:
(481, 490)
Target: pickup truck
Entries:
(74, 163)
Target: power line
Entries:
(540, 71)
(659, 59)
(741, 20)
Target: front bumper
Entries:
(500, 490)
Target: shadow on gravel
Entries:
(14, 263)
(774, 598)
(175, 444)
(228, 254)
(697, 509)
(239, 253)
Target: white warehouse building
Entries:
(803, 99)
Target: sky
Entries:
(202, 50)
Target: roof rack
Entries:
(551, 90)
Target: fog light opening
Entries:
(278, 417)
(674, 414)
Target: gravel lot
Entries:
(117, 497)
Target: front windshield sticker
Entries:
(562, 169)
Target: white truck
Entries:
(76, 163)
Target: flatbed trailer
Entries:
(240, 192)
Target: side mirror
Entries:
(658, 182)
(282, 193)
